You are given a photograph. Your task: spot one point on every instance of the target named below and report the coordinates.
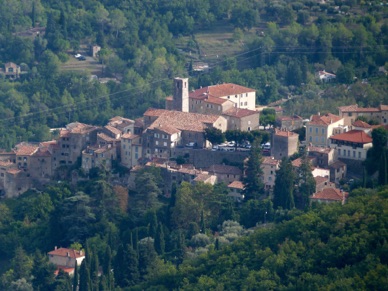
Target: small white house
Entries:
(66, 259)
(325, 76)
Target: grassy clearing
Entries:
(213, 45)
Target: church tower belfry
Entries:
(181, 94)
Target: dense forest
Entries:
(199, 238)
(193, 241)
(289, 42)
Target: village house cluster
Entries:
(335, 144)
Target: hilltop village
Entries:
(336, 145)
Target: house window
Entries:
(339, 152)
(348, 153)
(344, 153)
(311, 129)
(269, 178)
(359, 155)
(311, 138)
(354, 154)
(316, 130)
(323, 131)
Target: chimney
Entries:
(68, 254)
(80, 252)
(55, 247)
(319, 113)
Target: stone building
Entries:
(131, 150)
(167, 129)
(289, 123)
(321, 127)
(269, 166)
(351, 112)
(242, 119)
(98, 156)
(284, 144)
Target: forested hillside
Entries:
(281, 46)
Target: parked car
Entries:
(81, 58)
(191, 144)
(77, 56)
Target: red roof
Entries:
(355, 108)
(64, 252)
(361, 124)
(285, 133)
(220, 90)
(270, 161)
(236, 185)
(240, 112)
(356, 136)
(332, 194)
(324, 119)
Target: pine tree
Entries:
(284, 186)
(42, 272)
(159, 242)
(126, 270)
(253, 185)
(153, 224)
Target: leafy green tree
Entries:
(21, 264)
(267, 117)
(284, 186)
(214, 135)
(62, 281)
(253, 184)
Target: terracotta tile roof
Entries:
(356, 136)
(64, 133)
(42, 152)
(224, 169)
(129, 136)
(68, 270)
(320, 179)
(13, 171)
(298, 162)
(220, 90)
(112, 130)
(324, 119)
(167, 129)
(24, 149)
(270, 161)
(331, 194)
(180, 120)
(139, 122)
(285, 133)
(81, 128)
(236, 185)
(214, 100)
(361, 124)
(290, 118)
(64, 252)
(6, 163)
(105, 137)
(355, 108)
(383, 107)
(240, 112)
(202, 177)
(169, 98)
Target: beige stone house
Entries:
(321, 127)
(167, 129)
(66, 259)
(352, 145)
(98, 156)
(351, 112)
(242, 119)
(12, 70)
(269, 166)
(226, 174)
(131, 149)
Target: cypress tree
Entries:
(306, 182)
(284, 186)
(253, 185)
(94, 272)
(107, 267)
(159, 242)
(153, 224)
(75, 278)
(217, 244)
(84, 277)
